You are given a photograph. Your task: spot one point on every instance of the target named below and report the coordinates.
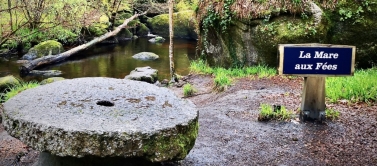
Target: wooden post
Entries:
(315, 62)
(313, 99)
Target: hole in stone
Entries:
(105, 103)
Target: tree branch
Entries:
(26, 68)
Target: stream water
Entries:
(115, 60)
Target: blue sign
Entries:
(306, 59)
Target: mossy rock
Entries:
(49, 47)
(251, 41)
(184, 25)
(255, 42)
(8, 81)
(142, 30)
(125, 33)
(97, 29)
(123, 16)
(51, 80)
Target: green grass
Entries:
(16, 89)
(224, 77)
(362, 87)
(188, 90)
(267, 112)
(332, 114)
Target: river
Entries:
(115, 60)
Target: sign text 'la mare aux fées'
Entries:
(316, 59)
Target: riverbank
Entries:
(230, 133)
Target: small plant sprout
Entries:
(274, 112)
(332, 114)
(188, 90)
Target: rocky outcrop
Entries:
(146, 74)
(107, 118)
(184, 25)
(245, 42)
(145, 56)
(49, 47)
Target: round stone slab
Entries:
(103, 117)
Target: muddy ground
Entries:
(230, 133)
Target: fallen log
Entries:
(50, 59)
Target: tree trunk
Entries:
(171, 45)
(50, 59)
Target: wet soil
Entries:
(230, 133)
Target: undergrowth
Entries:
(359, 88)
(16, 89)
(224, 77)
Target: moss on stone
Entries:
(184, 24)
(7, 81)
(125, 33)
(97, 29)
(142, 30)
(123, 16)
(354, 23)
(179, 144)
(51, 80)
(46, 48)
(183, 5)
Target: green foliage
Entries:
(361, 87)
(355, 11)
(143, 30)
(269, 112)
(332, 114)
(222, 80)
(201, 67)
(16, 89)
(188, 90)
(98, 29)
(183, 5)
(223, 77)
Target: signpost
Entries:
(315, 62)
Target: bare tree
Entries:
(171, 45)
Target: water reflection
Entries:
(116, 60)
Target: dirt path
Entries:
(231, 135)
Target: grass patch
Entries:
(269, 112)
(359, 88)
(188, 90)
(16, 89)
(332, 114)
(224, 77)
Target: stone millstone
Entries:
(103, 117)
